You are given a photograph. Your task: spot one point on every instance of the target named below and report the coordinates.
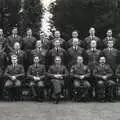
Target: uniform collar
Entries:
(75, 47)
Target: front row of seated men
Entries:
(79, 81)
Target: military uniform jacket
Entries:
(100, 71)
(92, 57)
(73, 54)
(77, 70)
(11, 40)
(54, 52)
(17, 71)
(38, 71)
(41, 53)
(20, 55)
(53, 70)
(111, 56)
(29, 43)
(88, 40)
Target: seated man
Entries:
(105, 85)
(36, 75)
(57, 73)
(14, 74)
(80, 73)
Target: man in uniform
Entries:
(14, 74)
(45, 42)
(91, 37)
(36, 76)
(57, 36)
(21, 56)
(105, 85)
(39, 51)
(14, 38)
(109, 37)
(56, 51)
(74, 52)
(111, 54)
(57, 73)
(92, 55)
(29, 42)
(80, 74)
(74, 36)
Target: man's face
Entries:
(16, 46)
(14, 31)
(57, 34)
(110, 44)
(57, 43)
(29, 33)
(102, 60)
(75, 42)
(42, 35)
(58, 61)
(74, 34)
(36, 60)
(1, 32)
(14, 60)
(93, 44)
(38, 44)
(92, 31)
(109, 33)
(79, 60)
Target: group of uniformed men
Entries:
(77, 66)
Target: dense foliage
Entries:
(10, 15)
(82, 14)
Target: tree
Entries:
(9, 14)
(31, 16)
(82, 14)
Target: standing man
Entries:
(29, 41)
(36, 76)
(45, 42)
(80, 74)
(105, 86)
(112, 55)
(109, 37)
(14, 74)
(57, 36)
(14, 38)
(74, 52)
(92, 55)
(39, 51)
(57, 51)
(74, 36)
(57, 73)
(91, 37)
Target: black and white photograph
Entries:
(59, 59)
